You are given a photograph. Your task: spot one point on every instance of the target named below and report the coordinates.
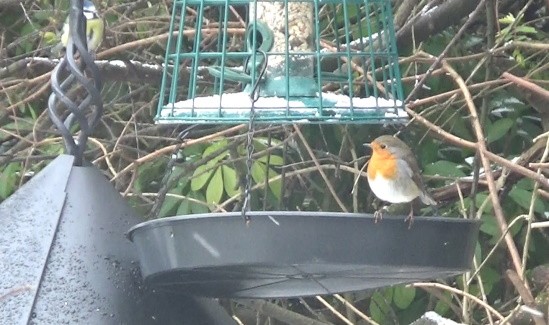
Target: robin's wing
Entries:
(415, 174)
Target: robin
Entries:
(393, 174)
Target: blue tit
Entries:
(95, 26)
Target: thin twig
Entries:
(470, 19)
(477, 127)
(356, 310)
(317, 164)
(333, 310)
(459, 292)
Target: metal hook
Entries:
(255, 88)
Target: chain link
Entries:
(250, 140)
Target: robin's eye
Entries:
(382, 146)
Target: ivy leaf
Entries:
(489, 226)
(230, 181)
(201, 176)
(490, 277)
(499, 129)
(460, 128)
(403, 296)
(523, 197)
(444, 168)
(214, 192)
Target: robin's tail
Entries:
(427, 199)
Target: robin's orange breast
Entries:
(384, 165)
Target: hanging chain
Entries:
(250, 139)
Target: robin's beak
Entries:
(367, 145)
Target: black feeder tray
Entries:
(294, 254)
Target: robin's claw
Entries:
(378, 214)
(410, 217)
(410, 220)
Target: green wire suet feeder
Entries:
(282, 62)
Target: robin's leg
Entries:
(435, 210)
(410, 217)
(378, 214)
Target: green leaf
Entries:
(499, 129)
(526, 30)
(276, 185)
(489, 226)
(8, 179)
(182, 181)
(523, 198)
(525, 184)
(444, 168)
(479, 200)
(460, 127)
(258, 172)
(230, 181)
(273, 160)
(403, 296)
(148, 173)
(387, 293)
(489, 277)
(50, 38)
(214, 192)
(442, 307)
(198, 207)
(378, 308)
(184, 208)
(169, 206)
(213, 148)
(200, 177)
(261, 143)
(507, 20)
(193, 152)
